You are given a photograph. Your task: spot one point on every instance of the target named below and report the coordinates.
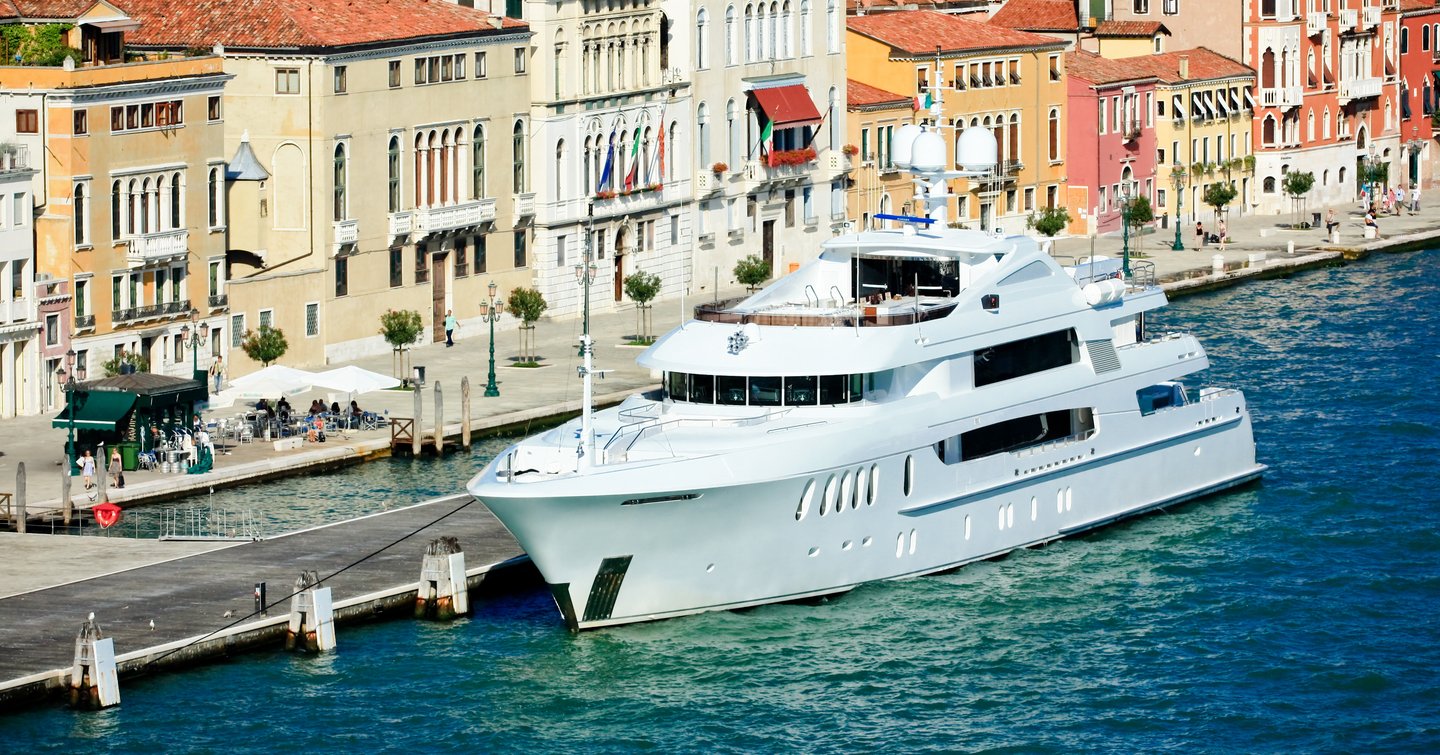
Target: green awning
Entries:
(96, 410)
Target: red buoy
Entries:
(107, 514)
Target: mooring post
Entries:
(417, 432)
(465, 413)
(93, 680)
(20, 497)
(102, 480)
(443, 592)
(260, 599)
(67, 506)
(312, 616)
(439, 420)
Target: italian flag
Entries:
(766, 135)
(634, 174)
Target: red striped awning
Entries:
(787, 106)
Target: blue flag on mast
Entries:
(609, 165)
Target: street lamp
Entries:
(1371, 174)
(1177, 177)
(1125, 228)
(584, 276)
(490, 312)
(199, 337)
(67, 375)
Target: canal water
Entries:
(1297, 615)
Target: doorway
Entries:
(437, 296)
(620, 241)
(767, 245)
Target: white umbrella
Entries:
(275, 380)
(352, 379)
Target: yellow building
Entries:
(874, 114)
(991, 77)
(126, 191)
(378, 160)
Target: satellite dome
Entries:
(901, 144)
(928, 153)
(977, 150)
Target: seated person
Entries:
(263, 407)
(334, 407)
(316, 407)
(1370, 223)
(355, 410)
(315, 430)
(283, 406)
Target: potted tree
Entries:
(400, 329)
(1218, 195)
(1297, 184)
(1049, 221)
(526, 305)
(265, 345)
(752, 271)
(642, 288)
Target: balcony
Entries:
(151, 312)
(838, 162)
(150, 248)
(347, 231)
(524, 206)
(1359, 89)
(782, 167)
(1130, 132)
(706, 182)
(401, 223)
(1349, 19)
(219, 301)
(14, 157)
(84, 322)
(431, 220)
(1369, 18)
(1282, 97)
(18, 310)
(1315, 23)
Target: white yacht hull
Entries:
(737, 538)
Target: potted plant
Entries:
(719, 168)
(526, 305)
(642, 288)
(850, 150)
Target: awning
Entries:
(118, 24)
(96, 410)
(788, 106)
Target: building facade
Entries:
(1113, 153)
(1419, 91)
(21, 381)
(1008, 81)
(370, 166)
(874, 114)
(1192, 23)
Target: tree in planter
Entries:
(400, 329)
(1376, 174)
(642, 288)
(752, 271)
(116, 365)
(1049, 221)
(1297, 184)
(1218, 195)
(1136, 214)
(265, 345)
(527, 305)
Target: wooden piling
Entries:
(439, 420)
(94, 682)
(102, 478)
(415, 436)
(20, 497)
(443, 592)
(465, 413)
(67, 506)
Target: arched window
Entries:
(517, 147)
(212, 197)
(647, 168)
(702, 122)
(730, 48)
(732, 133)
(1425, 37)
(787, 24)
(444, 172)
(392, 170)
(832, 25)
(145, 206)
(420, 174)
(1310, 125)
(477, 163)
(176, 216)
(560, 169)
(1054, 134)
(115, 213)
(669, 157)
(1012, 140)
(1267, 130)
(805, 47)
(339, 182)
(770, 32)
(81, 236)
(1325, 122)
(749, 33)
(702, 39)
(1269, 185)
(833, 116)
(132, 220)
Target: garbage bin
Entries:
(419, 372)
(129, 456)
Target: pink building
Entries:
(1112, 142)
(1419, 90)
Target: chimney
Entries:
(1184, 66)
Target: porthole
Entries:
(814, 552)
(1060, 501)
(1034, 508)
(909, 475)
(900, 545)
(845, 490)
(1197, 450)
(874, 484)
(1001, 512)
(913, 536)
(865, 543)
(1067, 499)
(805, 499)
(1010, 515)
(859, 488)
(847, 545)
(967, 526)
(829, 499)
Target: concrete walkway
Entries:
(527, 394)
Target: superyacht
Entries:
(917, 398)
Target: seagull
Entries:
(228, 614)
(152, 625)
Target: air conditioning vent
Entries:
(1102, 356)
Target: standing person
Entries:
(1330, 222)
(1414, 198)
(217, 372)
(1200, 233)
(117, 472)
(1222, 234)
(87, 469)
(450, 325)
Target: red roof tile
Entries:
(45, 9)
(1204, 64)
(920, 32)
(1098, 70)
(864, 95)
(1416, 6)
(1145, 29)
(1037, 15)
(300, 23)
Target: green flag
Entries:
(765, 135)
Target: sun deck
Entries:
(888, 313)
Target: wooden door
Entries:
(437, 291)
(767, 245)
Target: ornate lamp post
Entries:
(585, 275)
(1177, 177)
(195, 338)
(1371, 172)
(490, 312)
(1125, 228)
(67, 375)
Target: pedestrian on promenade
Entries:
(450, 325)
(1222, 234)
(1370, 223)
(1330, 222)
(1200, 233)
(1388, 202)
(1414, 198)
(217, 372)
(87, 469)
(117, 469)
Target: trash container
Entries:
(419, 372)
(130, 456)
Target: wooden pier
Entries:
(199, 604)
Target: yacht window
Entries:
(729, 390)
(1022, 432)
(800, 391)
(1027, 356)
(702, 389)
(834, 389)
(857, 387)
(764, 391)
(677, 385)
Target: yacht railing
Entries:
(617, 448)
(845, 316)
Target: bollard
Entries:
(312, 616)
(94, 683)
(415, 436)
(439, 420)
(443, 592)
(20, 497)
(465, 413)
(260, 599)
(1334, 237)
(1217, 264)
(1290, 247)
(67, 506)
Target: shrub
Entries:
(752, 271)
(1049, 221)
(264, 345)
